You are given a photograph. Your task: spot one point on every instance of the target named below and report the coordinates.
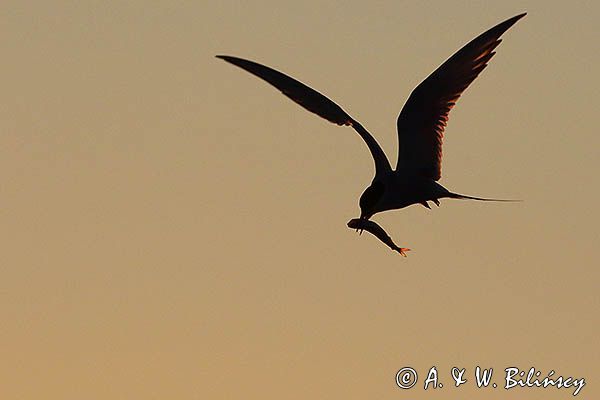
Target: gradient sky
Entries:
(173, 227)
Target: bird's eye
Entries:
(371, 195)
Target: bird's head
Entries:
(370, 199)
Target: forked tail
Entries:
(463, 197)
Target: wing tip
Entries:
(511, 21)
(234, 60)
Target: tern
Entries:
(421, 124)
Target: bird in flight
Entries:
(420, 125)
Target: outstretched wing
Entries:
(423, 118)
(314, 102)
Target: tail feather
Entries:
(464, 197)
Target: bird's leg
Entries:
(436, 201)
(425, 204)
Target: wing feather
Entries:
(423, 118)
(314, 102)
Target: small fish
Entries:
(377, 231)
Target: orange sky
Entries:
(175, 228)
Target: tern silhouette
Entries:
(420, 124)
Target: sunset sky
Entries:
(175, 228)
